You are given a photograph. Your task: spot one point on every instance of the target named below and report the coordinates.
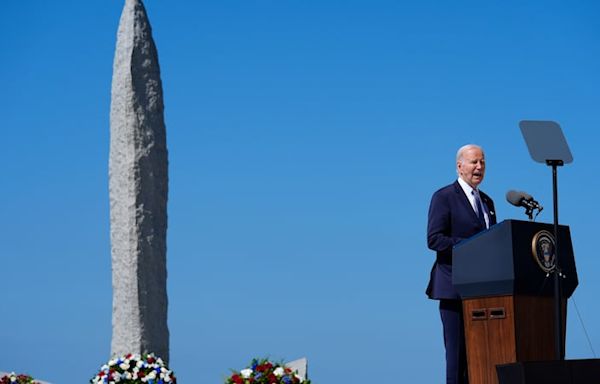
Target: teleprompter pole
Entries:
(559, 349)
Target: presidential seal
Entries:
(543, 248)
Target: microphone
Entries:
(525, 200)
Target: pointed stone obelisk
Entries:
(138, 186)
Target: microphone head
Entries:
(526, 196)
(515, 197)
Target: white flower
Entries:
(278, 371)
(124, 366)
(246, 373)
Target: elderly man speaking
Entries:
(457, 211)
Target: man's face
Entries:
(471, 167)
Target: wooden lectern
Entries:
(507, 292)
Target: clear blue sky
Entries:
(305, 140)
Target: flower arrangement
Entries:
(262, 371)
(13, 378)
(135, 369)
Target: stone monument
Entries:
(138, 186)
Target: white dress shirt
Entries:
(470, 193)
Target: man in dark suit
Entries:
(457, 212)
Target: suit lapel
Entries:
(465, 201)
(489, 207)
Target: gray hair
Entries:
(464, 148)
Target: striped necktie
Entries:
(479, 207)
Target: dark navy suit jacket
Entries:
(451, 219)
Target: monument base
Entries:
(550, 372)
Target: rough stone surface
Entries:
(301, 366)
(138, 186)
